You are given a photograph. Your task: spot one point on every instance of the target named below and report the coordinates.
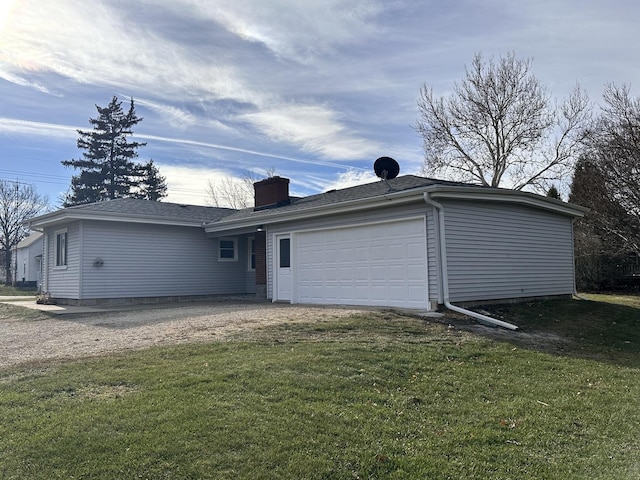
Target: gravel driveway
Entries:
(42, 338)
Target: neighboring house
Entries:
(29, 261)
(409, 242)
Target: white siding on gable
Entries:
(127, 260)
(500, 251)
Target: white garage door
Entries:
(382, 264)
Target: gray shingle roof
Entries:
(369, 190)
(30, 240)
(131, 209)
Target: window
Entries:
(252, 253)
(228, 251)
(285, 253)
(61, 249)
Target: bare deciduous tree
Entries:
(18, 202)
(615, 146)
(234, 192)
(500, 127)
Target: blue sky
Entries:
(316, 90)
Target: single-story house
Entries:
(29, 260)
(409, 242)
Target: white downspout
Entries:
(444, 276)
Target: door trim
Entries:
(276, 266)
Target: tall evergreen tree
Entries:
(153, 186)
(607, 234)
(107, 168)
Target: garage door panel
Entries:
(361, 273)
(382, 264)
(397, 273)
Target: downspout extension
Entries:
(444, 276)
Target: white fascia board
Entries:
(506, 196)
(392, 198)
(62, 217)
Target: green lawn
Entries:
(372, 396)
(10, 291)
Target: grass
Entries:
(606, 327)
(369, 397)
(11, 291)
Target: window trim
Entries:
(235, 249)
(251, 254)
(284, 261)
(59, 263)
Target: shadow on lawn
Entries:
(580, 328)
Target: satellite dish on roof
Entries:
(386, 168)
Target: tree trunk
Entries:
(8, 281)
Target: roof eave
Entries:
(509, 196)
(57, 218)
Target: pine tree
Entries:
(607, 234)
(107, 169)
(553, 193)
(153, 186)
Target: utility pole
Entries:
(15, 250)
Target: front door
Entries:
(283, 267)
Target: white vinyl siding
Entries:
(154, 261)
(501, 251)
(64, 282)
(433, 258)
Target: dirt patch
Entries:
(535, 340)
(33, 338)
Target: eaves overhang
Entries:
(506, 196)
(60, 217)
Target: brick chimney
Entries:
(271, 192)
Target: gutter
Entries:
(506, 196)
(444, 275)
(55, 218)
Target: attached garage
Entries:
(380, 264)
(409, 242)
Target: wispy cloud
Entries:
(314, 128)
(297, 30)
(350, 178)
(23, 82)
(176, 117)
(24, 127)
(242, 150)
(100, 46)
